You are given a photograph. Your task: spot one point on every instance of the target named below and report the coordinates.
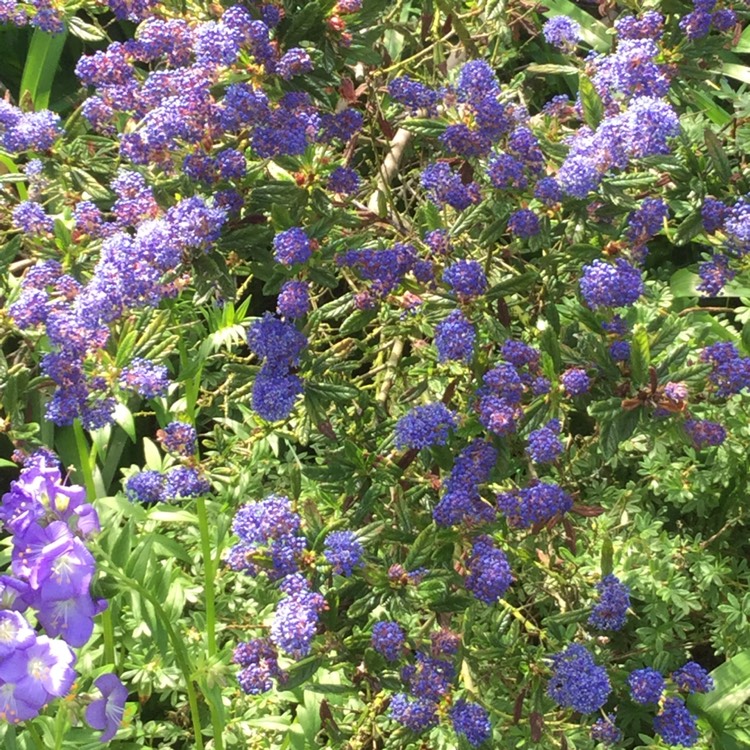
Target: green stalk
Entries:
(31, 729)
(85, 455)
(180, 651)
(209, 575)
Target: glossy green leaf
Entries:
(41, 66)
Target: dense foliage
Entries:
(374, 375)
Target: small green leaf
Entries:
(718, 157)
(640, 356)
(593, 108)
(424, 126)
(86, 31)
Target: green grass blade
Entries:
(41, 66)
(732, 690)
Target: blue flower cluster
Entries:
(537, 503)
(27, 131)
(466, 278)
(276, 388)
(178, 438)
(267, 528)
(614, 600)
(604, 730)
(489, 573)
(295, 621)
(607, 285)
(461, 499)
(425, 426)
(646, 685)
(675, 724)
(259, 661)
(692, 678)
(577, 682)
(544, 444)
(388, 639)
(344, 551)
(472, 721)
(731, 372)
(454, 338)
(562, 32)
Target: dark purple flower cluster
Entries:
(604, 730)
(575, 381)
(454, 338)
(259, 661)
(537, 503)
(715, 275)
(713, 214)
(489, 573)
(472, 721)
(544, 444)
(388, 639)
(417, 714)
(692, 678)
(179, 438)
(647, 221)
(384, 268)
(185, 481)
(295, 621)
(698, 23)
(675, 724)
(425, 426)
(429, 678)
(294, 62)
(524, 223)
(607, 285)
(292, 246)
(461, 499)
(650, 25)
(611, 609)
(466, 278)
(731, 372)
(344, 181)
(344, 551)
(548, 191)
(413, 95)
(294, 300)
(646, 685)
(269, 527)
(704, 433)
(444, 186)
(498, 415)
(577, 682)
(562, 32)
(144, 377)
(444, 642)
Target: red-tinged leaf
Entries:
(563, 742)
(326, 429)
(388, 130)
(570, 535)
(544, 558)
(346, 89)
(588, 511)
(518, 706)
(536, 720)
